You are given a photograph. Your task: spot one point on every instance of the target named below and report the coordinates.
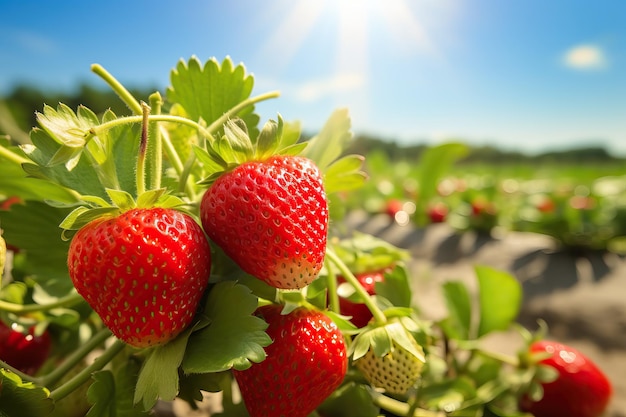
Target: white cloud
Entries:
(585, 57)
(339, 83)
(35, 42)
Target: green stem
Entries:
(73, 384)
(78, 355)
(155, 145)
(13, 157)
(120, 121)
(333, 297)
(118, 88)
(143, 147)
(401, 408)
(378, 314)
(67, 301)
(219, 122)
(22, 375)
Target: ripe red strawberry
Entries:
(581, 389)
(143, 272)
(438, 212)
(360, 313)
(271, 218)
(24, 351)
(305, 363)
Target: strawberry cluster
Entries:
(205, 245)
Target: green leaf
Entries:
(206, 92)
(241, 335)
(396, 287)
(457, 324)
(34, 227)
(101, 394)
(15, 182)
(192, 386)
(350, 400)
(345, 174)
(82, 178)
(158, 377)
(500, 297)
(448, 394)
(328, 145)
(18, 398)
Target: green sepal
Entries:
(80, 216)
(121, 199)
(66, 127)
(380, 340)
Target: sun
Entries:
(359, 29)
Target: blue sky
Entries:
(527, 75)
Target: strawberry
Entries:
(270, 216)
(24, 351)
(388, 355)
(438, 212)
(143, 271)
(360, 314)
(581, 389)
(395, 371)
(305, 363)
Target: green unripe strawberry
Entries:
(395, 371)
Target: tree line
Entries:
(23, 101)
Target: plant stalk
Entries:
(79, 354)
(67, 388)
(118, 88)
(67, 301)
(377, 313)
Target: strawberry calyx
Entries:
(381, 338)
(93, 208)
(236, 146)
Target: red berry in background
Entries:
(360, 313)
(393, 207)
(546, 205)
(305, 363)
(24, 351)
(581, 389)
(438, 212)
(143, 271)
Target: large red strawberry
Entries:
(581, 389)
(305, 363)
(25, 351)
(271, 218)
(143, 271)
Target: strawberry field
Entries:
(582, 206)
(188, 247)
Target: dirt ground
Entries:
(582, 298)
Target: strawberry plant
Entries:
(186, 247)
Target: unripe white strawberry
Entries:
(395, 372)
